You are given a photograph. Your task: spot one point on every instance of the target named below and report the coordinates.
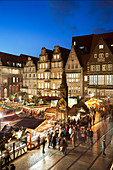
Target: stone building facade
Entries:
(74, 74)
(30, 76)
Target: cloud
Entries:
(63, 12)
(99, 30)
(64, 7)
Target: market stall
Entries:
(34, 128)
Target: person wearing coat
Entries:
(54, 141)
(64, 145)
(73, 138)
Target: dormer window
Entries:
(101, 46)
(111, 45)
(57, 56)
(81, 47)
(54, 56)
(74, 43)
(107, 55)
(95, 55)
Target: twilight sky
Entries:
(27, 26)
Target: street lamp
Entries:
(0, 120)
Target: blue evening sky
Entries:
(27, 26)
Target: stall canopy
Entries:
(30, 123)
(78, 108)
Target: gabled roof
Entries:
(25, 59)
(29, 123)
(89, 43)
(64, 54)
(47, 51)
(5, 57)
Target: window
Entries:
(109, 67)
(74, 43)
(40, 66)
(29, 63)
(53, 85)
(106, 55)
(58, 76)
(52, 65)
(17, 79)
(45, 75)
(9, 70)
(58, 85)
(104, 67)
(13, 79)
(13, 64)
(100, 79)
(56, 65)
(39, 85)
(72, 65)
(91, 80)
(57, 56)
(95, 79)
(45, 65)
(97, 67)
(29, 69)
(53, 75)
(101, 46)
(33, 75)
(68, 66)
(95, 55)
(76, 66)
(29, 75)
(85, 78)
(26, 75)
(59, 64)
(41, 75)
(46, 85)
(92, 67)
(101, 55)
(54, 56)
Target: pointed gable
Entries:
(45, 54)
(101, 52)
(60, 53)
(73, 61)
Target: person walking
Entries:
(103, 146)
(43, 144)
(54, 141)
(7, 156)
(49, 139)
(38, 142)
(12, 167)
(73, 138)
(91, 136)
(64, 145)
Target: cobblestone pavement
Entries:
(83, 156)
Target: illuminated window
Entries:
(53, 75)
(92, 67)
(100, 79)
(53, 85)
(85, 78)
(46, 85)
(104, 67)
(97, 67)
(52, 65)
(54, 56)
(101, 46)
(91, 80)
(109, 67)
(58, 76)
(41, 75)
(17, 79)
(9, 70)
(45, 75)
(57, 56)
(74, 43)
(95, 79)
(45, 65)
(59, 64)
(13, 79)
